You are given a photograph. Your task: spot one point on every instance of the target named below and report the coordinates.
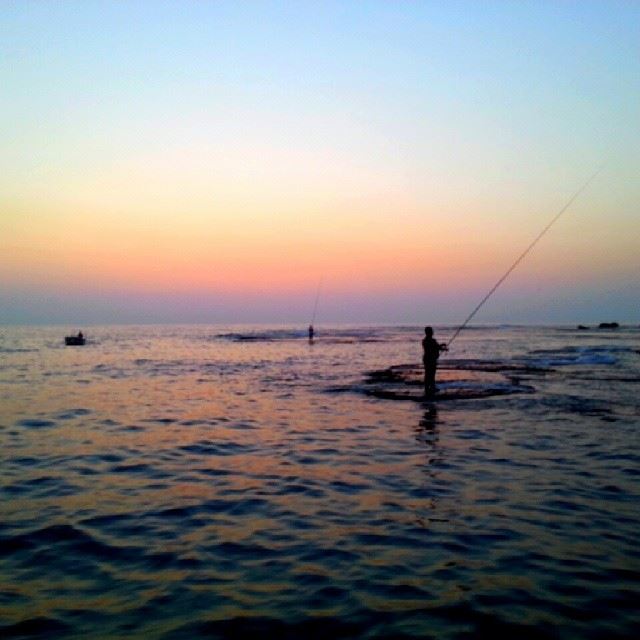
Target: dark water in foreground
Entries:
(181, 482)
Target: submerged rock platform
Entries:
(456, 380)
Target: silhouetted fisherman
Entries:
(430, 354)
(80, 336)
(311, 333)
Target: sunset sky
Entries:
(212, 161)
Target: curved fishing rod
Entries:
(524, 253)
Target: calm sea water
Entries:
(185, 482)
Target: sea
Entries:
(229, 482)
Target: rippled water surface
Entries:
(205, 482)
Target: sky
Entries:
(217, 161)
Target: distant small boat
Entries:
(74, 340)
(608, 325)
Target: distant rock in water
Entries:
(608, 325)
(582, 327)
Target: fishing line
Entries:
(524, 253)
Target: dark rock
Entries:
(457, 380)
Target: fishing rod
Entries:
(521, 257)
(315, 305)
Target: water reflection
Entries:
(210, 481)
(427, 430)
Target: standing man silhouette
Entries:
(430, 354)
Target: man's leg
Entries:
(429, 379)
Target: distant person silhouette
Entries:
(80, 335)
(430, 354)
(311, 333)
